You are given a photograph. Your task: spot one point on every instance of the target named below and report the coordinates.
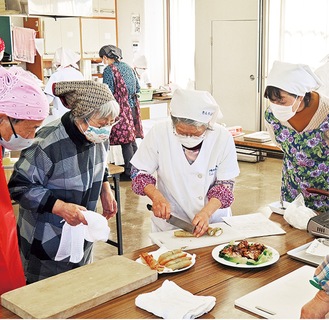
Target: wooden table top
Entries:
(208, 277)
(114, 169)
(240, 141)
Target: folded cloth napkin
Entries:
(73, 237)
(297, 214)
(172, 302)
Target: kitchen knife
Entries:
(177, 222)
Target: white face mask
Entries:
(16, 143)
(190, 141)
(97, 135)
(284, 113)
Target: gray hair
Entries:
(190, 122)
(108, 109)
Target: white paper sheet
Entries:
(254, 225)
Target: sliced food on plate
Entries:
(245, 252)
(213, 232)
(173, 260)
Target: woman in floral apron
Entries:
(297, 120)
(123, 83)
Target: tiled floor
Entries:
(257, 185)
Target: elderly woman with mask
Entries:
(62, 175)
(23, 106)
(195, 163)
(297, 120)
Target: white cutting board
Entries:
(167, 238)
(282, 298)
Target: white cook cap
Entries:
(140, 62)
(294, 78)
(65, 57)
(195, 105)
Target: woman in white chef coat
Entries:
(65, 61)
(195, 162)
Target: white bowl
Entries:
(277, 208)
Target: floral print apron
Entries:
(305, 162)
(127, 129)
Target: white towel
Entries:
(73, 237)
(172, 302)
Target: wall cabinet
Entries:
(104, 8)
(60, 33)
(95, 34)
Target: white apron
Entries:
(184, 185)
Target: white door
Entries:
(235, 73)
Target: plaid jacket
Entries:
(61, 164)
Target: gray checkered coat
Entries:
(61, 164)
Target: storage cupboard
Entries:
(95, 34)
(84, 35)
(60, 33)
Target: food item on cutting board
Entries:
(252, 253)
(173, 259)
(213, 232)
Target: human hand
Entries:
(161, 208)
(70, 212)
(316, 308)
(201, 223)
(109, 204)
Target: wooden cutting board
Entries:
(72, 292)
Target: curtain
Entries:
(182, 43)
(304, 31)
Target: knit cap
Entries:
(82, 96)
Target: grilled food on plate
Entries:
(246, 253)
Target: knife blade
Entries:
(177, 222)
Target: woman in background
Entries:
(141, 69)
(23, 106)
(62, 174)
(123, 83)
(298, 122)
(65, 60)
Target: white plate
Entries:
(216, 250)
(156, 254)
(276, 207)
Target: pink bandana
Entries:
(2, 45)
(20, 95)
